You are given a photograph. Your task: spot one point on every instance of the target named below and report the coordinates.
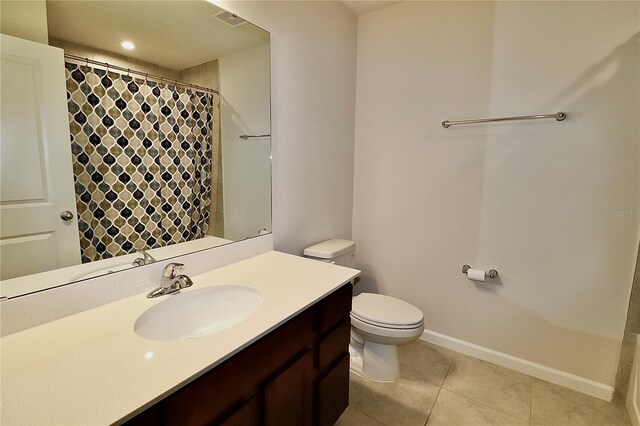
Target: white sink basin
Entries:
(198, 312)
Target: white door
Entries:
(36, 178)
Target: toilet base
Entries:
(374, 361)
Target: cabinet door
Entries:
(287, 398)
(246, 415)
(333, 393)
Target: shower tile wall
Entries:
(207, 75)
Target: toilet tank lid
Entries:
(330, 249)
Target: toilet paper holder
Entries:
(491, 273)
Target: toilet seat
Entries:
(375, 332)
(385, 325)
(388, 312)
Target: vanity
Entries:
(287, 363)
(297, 374)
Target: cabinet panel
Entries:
(333, 345)
(287, 398)
(333, 393)
(247, 415)
(335, 307)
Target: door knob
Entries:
(66, 215)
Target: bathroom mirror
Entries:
(150, 140)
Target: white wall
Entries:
(313, 65)
(552, 206)
(245, 84)
(24, 19)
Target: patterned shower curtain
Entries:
(142, 158)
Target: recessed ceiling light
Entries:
(128, 45)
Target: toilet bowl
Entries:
(379, 324)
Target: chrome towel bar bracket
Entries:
(559, 116)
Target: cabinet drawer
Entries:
(333, 393)
(335, 307)
(334, 345)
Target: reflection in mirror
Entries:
(142, 139)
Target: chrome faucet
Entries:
(171, 282)
(146, 259)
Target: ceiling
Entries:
(173, 34)
(360, 7)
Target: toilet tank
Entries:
(337, 251)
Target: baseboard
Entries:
(562, 378)
(633, 396)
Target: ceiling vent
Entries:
(231, 19)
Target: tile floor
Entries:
(442, 387)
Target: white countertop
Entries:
(91, 367)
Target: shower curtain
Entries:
(142, 159)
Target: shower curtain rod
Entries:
(144, 74)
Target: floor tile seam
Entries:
(422, 381)
(444, 379)
(433, 405)
(491, 363)
(486, 405)
(369, 417)
(590, 399)
(455, 355)
(582, 405)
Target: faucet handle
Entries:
(171, 270)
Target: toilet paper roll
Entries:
(475, 274)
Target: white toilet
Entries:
(378, 323)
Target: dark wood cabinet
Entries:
(296, 375)
(287, 398)
(246, 415)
